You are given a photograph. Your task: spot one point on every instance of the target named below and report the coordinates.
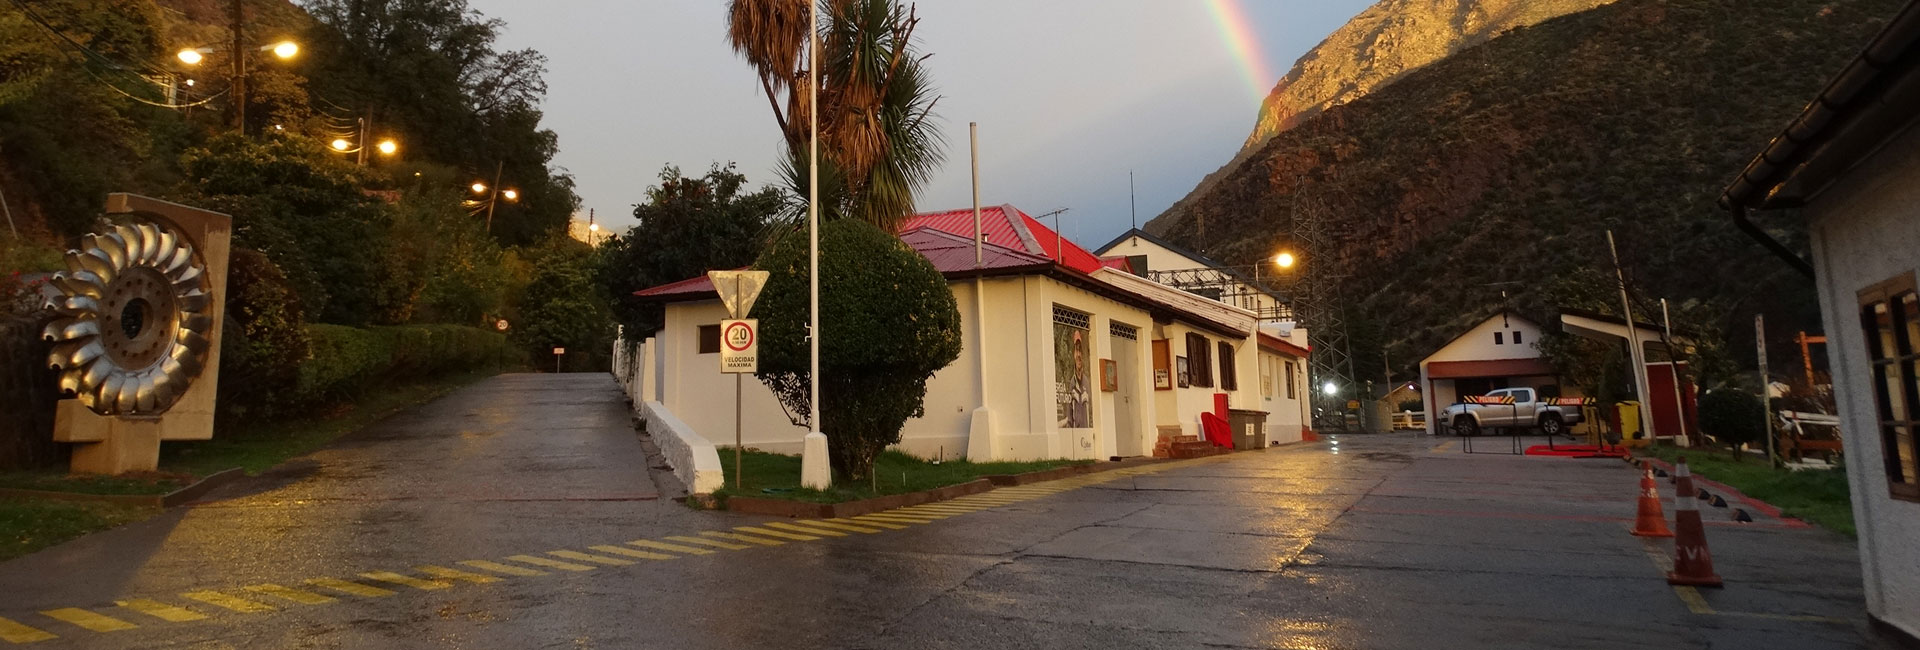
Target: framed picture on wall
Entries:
(1109, 376)
(1180, 368)
(1162, 366)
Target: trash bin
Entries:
(1627, 417)
(1249, 428)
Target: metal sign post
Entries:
(1766, 385)
(739, 342)
(557, 354)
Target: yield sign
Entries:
(738, 289)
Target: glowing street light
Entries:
(1330, 389)
(1283, 260)
(341, 144)
(285, 49)
(192, 55)
(388, 147)
(478, 188)
(510, 195)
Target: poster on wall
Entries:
(1072, 377)
(1109, 376)
(1186, 378)
(1162, 366)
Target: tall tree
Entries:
(689, 225)
(878, 147)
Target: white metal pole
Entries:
(1635, 354)
(1673, 362)
(979, 261)
(815, 471)
(1766, 385)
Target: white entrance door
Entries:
(1127, 437)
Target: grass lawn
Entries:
(28, 525)
(1818, 496)
(777, 476)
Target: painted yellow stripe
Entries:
(588, 557)
(349, 587)
(629, 552)
(919, 513)
(805, 530)
(876, 524)
(823, 526)
(160, 610)
(762, 541)
(1695, 602)
(225, 601)
(451, 573)
(689, 550)
(709, 542)
(289, 593)
(89, 619)
(550, 563)
(410, 581)
(944, 510)
(945, 505)
(888, 516)
(12, 631)
(769, 532)
(507, 569)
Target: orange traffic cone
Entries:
(1692, 563)
(1651, 521)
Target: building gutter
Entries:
(1754, 231)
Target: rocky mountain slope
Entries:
(1499, 169)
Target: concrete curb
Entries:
(804, 510)
(168, 500)
(1762, 507)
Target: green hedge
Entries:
(348, 360)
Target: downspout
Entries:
(1779, 250)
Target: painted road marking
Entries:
(806, 530)
(923, 516)
(709, 542)
(550, 563)
(647, 543)
(88, 619)
(1698, 604)
(349, 587)
(775, 533)
(588, 557)
(399, 579)
(451, 573)
(828, 525)
(876, 524)
(227, 602)
(888, 516)
(621, 550)
(13, 631)
(160, 610)
(507, 569)
(942, 510)
(743, 538)
(289, 593)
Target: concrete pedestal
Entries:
(816, 471)
(982, 437)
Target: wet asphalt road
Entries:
(1396, 541)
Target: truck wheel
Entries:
(1465, 426)
(1551, 425)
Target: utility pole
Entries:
(494, 199)
(1635, 353)
(1320, 309)
(239, 60)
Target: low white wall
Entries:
(693, 458)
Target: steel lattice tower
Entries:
(1322, 311)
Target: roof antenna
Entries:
(1132, 215)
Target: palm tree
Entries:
(877, 145)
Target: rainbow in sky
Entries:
(1238, 33)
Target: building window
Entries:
(1890, 317)
(1516, 337)
(1199, 361)
(1127, 332)
(1290, 380)
(1499, 338)
(1229, 379)
(710, 339)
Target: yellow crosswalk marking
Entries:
(550, 563)
(743, 538)
(803, 529)
(349, 587)
(12, 631)
(921, 514)
(588, 557)
(225, 601)
(889, 516)
(946, 510)
(709, 542)
(647, 543)
(507, 569)
(875, 524)
(631, 552)
(160, 610)
(289, 593)
(455, 574)
(88, 619)
(410, 581)
(817, 523)
(768, 532)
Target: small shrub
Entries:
(263, 341)
(1732, 416)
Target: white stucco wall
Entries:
(1477, 345)
(1866, 229)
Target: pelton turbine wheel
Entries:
(134, 322)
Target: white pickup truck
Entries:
(1527, 410)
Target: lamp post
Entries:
(237, 51)
(385, 147)
(494, 193)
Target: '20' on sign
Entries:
(740, 346)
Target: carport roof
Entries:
(1492, 368)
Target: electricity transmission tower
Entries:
(1322, 311)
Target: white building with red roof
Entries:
(1066, 355)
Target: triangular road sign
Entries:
(738, 289)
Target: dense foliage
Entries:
(1733, 417)
(1500, 169)
(688, 226)
(562, 307)
(347, 362)
(888, 321)
(263, 342)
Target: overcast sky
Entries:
(1069, 94)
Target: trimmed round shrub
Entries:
(1732, 416)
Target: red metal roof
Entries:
(1282, 346)
(950, 253)
(1496, 368)
(1005, 225)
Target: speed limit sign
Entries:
(740, 346)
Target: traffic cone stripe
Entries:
(1649, 521)
(1692, 562)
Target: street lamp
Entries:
(237, 77)
(341, 145)
(1283, 260)
(388, 147)
(480, 187)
